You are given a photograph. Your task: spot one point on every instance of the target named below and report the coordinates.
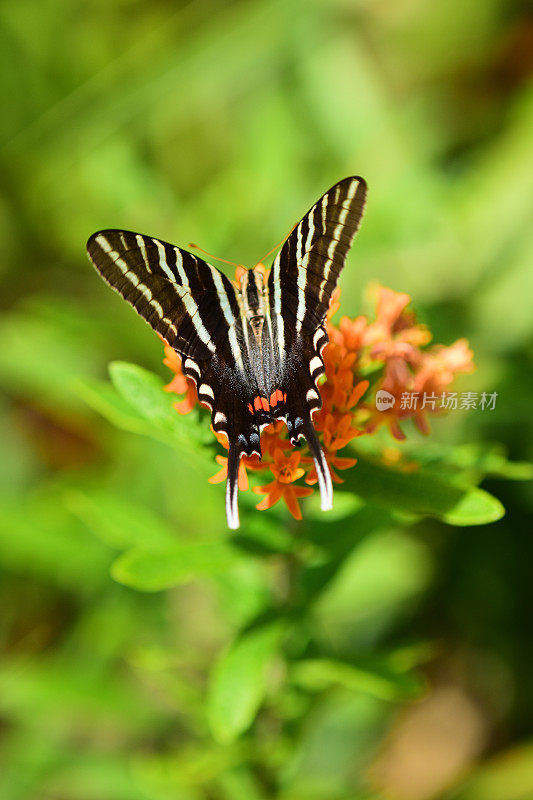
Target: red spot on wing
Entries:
(250, 408)
(276, 397)
(261, 403)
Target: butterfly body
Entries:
(254, 350)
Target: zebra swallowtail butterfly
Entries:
(254, 352)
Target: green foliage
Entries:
(136, 402)
(148, 653)
(424, 494)
(238, 681)
(152, 569)
(375, 678)
(153, 559)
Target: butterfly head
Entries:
(252, 287)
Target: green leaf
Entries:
(137, 402)
(472, 461)
(490, 460)
(118, 522)
(345, 505)
(263, 534)
(104, 399)
(151, 569)
(422, 494)
(239, 682)
(373, 677)
(474, 507)
(144, 391)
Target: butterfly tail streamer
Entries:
(232, 487)
(322, 469)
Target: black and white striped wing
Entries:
(173, 290)
(194, 308)
(306, 269)
(301, 282)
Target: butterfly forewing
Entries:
(175, 291)
(305, 271)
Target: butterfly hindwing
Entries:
(222, 388)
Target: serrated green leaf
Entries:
(238, 682)
(422, 494)
(151, 569)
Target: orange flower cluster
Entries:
(390, 346)
(179, 384)
(396, 341)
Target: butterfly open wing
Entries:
(171, 288)
(194, 308)
(301, 282)
(197, 310)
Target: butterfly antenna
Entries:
(232, 487)
(261, 260)
(322, 469)
(224, 260)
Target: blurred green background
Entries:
(367, 654)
